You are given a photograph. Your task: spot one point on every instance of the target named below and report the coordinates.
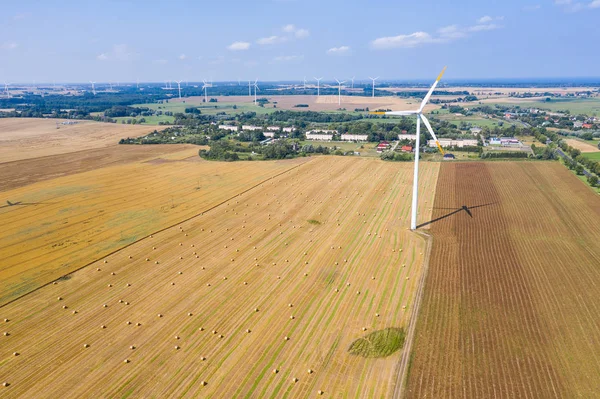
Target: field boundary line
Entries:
(156, 232)
(403, 365)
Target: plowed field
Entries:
(319, 254)
(511, 305)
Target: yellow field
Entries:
(26, 138)
(213, 299)
(63, 224)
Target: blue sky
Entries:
(81, 40)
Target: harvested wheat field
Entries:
(27, 171)
(510, 306)
(26, 138)
(582, 145)
(259, 297)
(59, 225)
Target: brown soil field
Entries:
(215, 296)
(27, 171)
(26, 138)
(581, 145)
(60, 225)
(510, 306)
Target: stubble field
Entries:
(511, 297)
(28, 138)
(320, 255)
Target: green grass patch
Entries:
(592, 155)
(381, 343)
(313, 221)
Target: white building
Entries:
(251, 128)
(312, 135)
(228, 127)
(269, 134)
(460, 143)
(355, 137)
(273, 128)
(288, 129)
(405, 136)
(323, 131)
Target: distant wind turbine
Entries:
(179, 87)
(304, 83)
(93, 87)
(374, 79)
(318, 86)
(340, 91)
(353, 81)
(255, 89)
(205, 87)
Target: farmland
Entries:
(510, 304)
(27, 138)
(261, 296)
(64, 223)
(583, 146)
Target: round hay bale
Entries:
(294, 379)
(126, 361)
(6, 333)
(176, 347)
(275, 371)
(65, 307)
(292, 317)
(201, 329)
(320, 392)
(190, 314)
(245, 283)
(120, 301)
(126, 303)
(248, 331)
(172, 283)
(138, 324)
(74, 312)
(214, 331)
(203, 383)
(286, 338)
(160, 315)
(128, 322)
(17, 353)
(103, 326)
(177, 337)
(310, 371)
(105, 306)
(113, 273)
(60, 298)
(376, 314)
(6, 320)
(86, 345)
(5, 384)
(202, 358)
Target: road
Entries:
(562, 154)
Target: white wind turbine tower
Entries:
(374, 79)
(353, 81)
(179, 87)
(304, 83)
(205, 87)
(419, 113)
(255, 89)
(93, 87)
(318, 86)
(6, 89)
(340, 91)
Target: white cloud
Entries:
(444, 35)
(300, 33)
(10, 45)
(119, 52)
(571, 6)
(533, 7)
(271, 40)
(182, 57)
(342, 50)
(238, 46)
(288, 58)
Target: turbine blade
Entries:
(426, 99)
(426, 121)
(402, 113)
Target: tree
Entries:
(593, 180)
(579, 169)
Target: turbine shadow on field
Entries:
(467, 209)
(20, 203)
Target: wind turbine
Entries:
(255, 88)
(304, 83)
(340, 91)
(205, 87)
(137, 83)
(353, 81)
(6, 89)
(93, 87)
(179, 87)
(419, 113)
(374, 79)
(318, 85)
